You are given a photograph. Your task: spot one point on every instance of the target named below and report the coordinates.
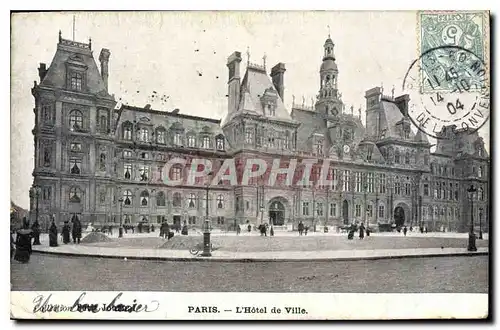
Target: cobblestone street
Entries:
(436, 275)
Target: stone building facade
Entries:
(96, 162)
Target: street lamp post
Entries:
(35, 191)
(206, 227)
(365, 188)
(472, 238)
(120, 229)
(480, 224)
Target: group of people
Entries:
(362, 230)
(21, 246)
(263, 228)
(302, 229)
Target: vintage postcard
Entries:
(250, 165)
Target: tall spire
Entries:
(328, 31)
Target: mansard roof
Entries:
(255, 83)
(78, 55)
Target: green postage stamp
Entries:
(453, 48)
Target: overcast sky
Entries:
(167, 51)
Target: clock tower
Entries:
(328, 99)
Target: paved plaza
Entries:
(466, 274)
(319, 262)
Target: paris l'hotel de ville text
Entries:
(95, 162)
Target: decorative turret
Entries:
(329, 101)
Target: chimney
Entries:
(104, 59)
(147, 106)
(233, 84)
(42, 71)
(278, 77)
(402, 103)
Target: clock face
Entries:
(346, 149)
(335, 111)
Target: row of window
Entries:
(436, 212)
(268, 138)
(192, 199)
(443, 191)
(177, 137)
(333, 212)
(192, 220)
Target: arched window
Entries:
(220, 201)
(102, 162)
(75, 195)
(177, 199)
(75, 120)
(127, 131)
(127, 197)
(160, 198)
(144, 198)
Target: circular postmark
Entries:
(449, 91)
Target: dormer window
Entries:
(318, 146)
(191, 141)
(127, 131)
(219, 142)
(76, 79)
(143, 134)
(270, 110)
(369, 153)
(177, 139)
(206, 142)
(249, 136)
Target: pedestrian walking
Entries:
(361, 231)
(426, 230)
(238, 229)
(23, 244)
(306, 228)
(271, 232)
(405, 230)
(184, 230)
(301, 228)
(53, 234)
(36, 233)
(77, 230)
(65, 232)
(152, 228)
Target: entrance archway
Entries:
(345, 212)
(277, 213)
(399, 216)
